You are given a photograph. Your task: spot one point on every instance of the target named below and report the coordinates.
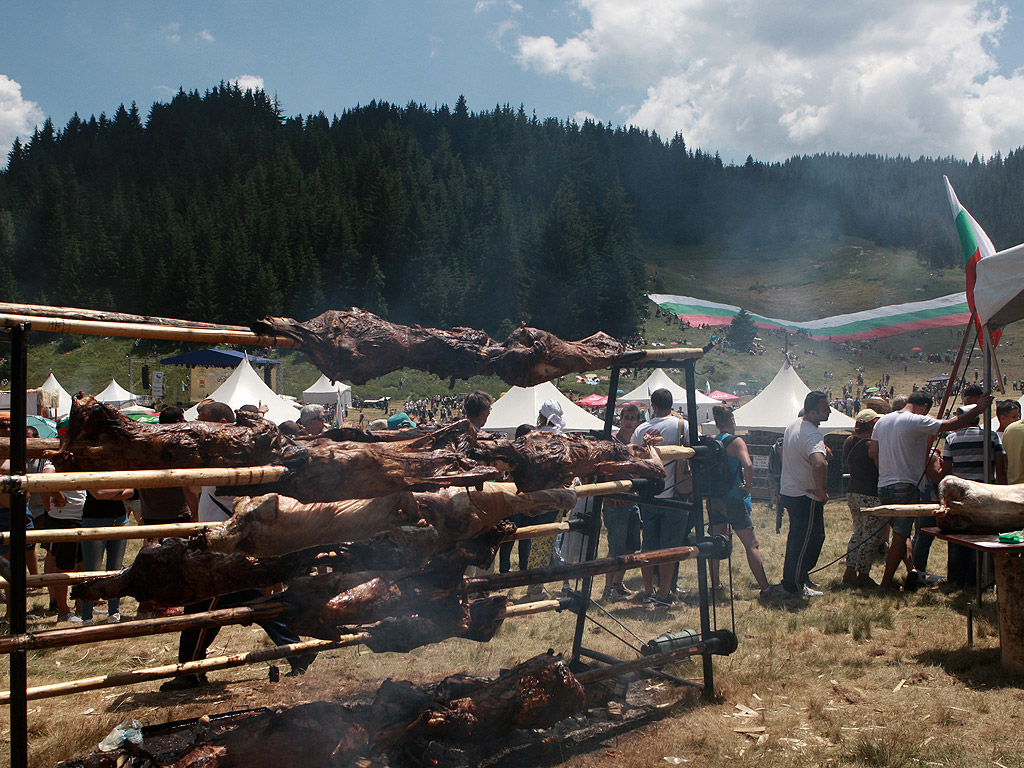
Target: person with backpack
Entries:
(728, 497)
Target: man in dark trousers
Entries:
(193, 643)
(803, 492)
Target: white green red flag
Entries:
(975, 245)
(943, 312)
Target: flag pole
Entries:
(956, 363)
(987, 438)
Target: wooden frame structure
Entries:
(17, 320)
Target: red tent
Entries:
(593, 401)
(722, 397)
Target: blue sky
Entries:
(771, 79)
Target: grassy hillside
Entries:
(812, 279)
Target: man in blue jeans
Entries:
(903, 437)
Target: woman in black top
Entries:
(102, 509)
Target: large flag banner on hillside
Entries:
(943, 312)
(975, 245)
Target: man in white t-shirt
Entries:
(662, 528)
(903, 438)
(803, 492)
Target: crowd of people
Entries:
(893, 457)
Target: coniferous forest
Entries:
(218, 207)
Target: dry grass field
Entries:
(853, 678)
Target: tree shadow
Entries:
(976, 667)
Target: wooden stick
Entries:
(59, 638)
(902, 510)
(144, 331)
(34, 446)
(140, 478)
(672, 353)
(538, 531)
(119, 679)
(59, 579)
(77, 313)
(112, 533)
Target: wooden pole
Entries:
(59, 579)
(141, 478)
(673, 353)
(903, 510)
(120, 679)
(60, 638)
(34, 446)
(77, 313)
(113, 533)
(145, 331)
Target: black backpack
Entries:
(775, 458)
(717, 477)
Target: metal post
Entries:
(987, 436)
(698, 522)
(18, 607)
(592, 526)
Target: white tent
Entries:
(116, 395)
(245, 387)
(326, 393)
(520, 405)
(63, 398)
(660, 380)
(780, 402)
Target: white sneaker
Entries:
(809, 592)
(72, 618)
(114, 618)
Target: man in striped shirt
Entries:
(964, 456)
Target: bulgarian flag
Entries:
(974, 246)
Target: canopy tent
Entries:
(116, 395)
(660, 380)
(63, 398)
(779, 403)
(723, 397)
(245, 387)
(324, 392)
(216, 358)
(593, 401)
(520, 405)
(999, 287)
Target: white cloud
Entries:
(206, 36)
(171, 32)
(249, 82)
(18, 116)
(776, 79)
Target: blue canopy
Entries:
(222, 358)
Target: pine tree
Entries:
(741, 331)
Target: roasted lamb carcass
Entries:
(273, 524)
(100, 438)
(358, 346)
(545, 459)
(966, 506)
(175, 573)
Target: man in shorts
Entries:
(733, 509)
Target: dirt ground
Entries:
(852, 678)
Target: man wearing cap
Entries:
(860, 454)
(903, 438)
(964, 456)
